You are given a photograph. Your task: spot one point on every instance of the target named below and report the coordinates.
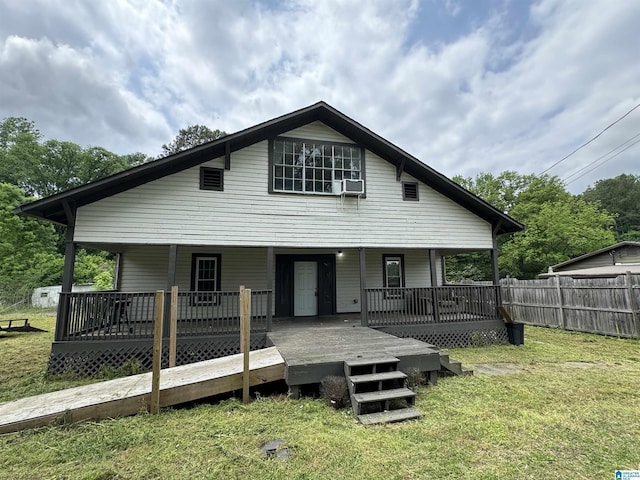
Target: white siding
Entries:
(145, 268)
(174, 210)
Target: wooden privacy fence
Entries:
(608, 306)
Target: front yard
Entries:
(570, 410)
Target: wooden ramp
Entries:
(129, 395)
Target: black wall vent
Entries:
(211, 179)
(410, 191)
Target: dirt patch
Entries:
(498, 369)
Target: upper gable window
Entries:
(308, 166)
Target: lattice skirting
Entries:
(463, 334)
(88, 359)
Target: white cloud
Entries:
(504, 94)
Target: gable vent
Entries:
(410, 191)
(211, 179)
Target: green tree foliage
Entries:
(28, 256)
(559, 225)
(41, 168)
(621, 197)
(191, 137)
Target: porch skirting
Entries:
(459, 334)
(89, 358)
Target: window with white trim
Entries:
(205, 277)
(393, 272)
(304, 166)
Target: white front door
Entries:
(305, 289)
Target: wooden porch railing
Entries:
(87, 316)
(443, 304)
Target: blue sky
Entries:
(466, 86)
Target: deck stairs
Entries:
(378, 391)
(449, 366)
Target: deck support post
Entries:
(245, 339)
(494, 268)
(171, 281)
(270, 277)
(434, 285)
(70, 248)
(154, 400)
(364, 307)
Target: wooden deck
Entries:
(313, 352)
(128, 395)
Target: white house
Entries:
(314, 212)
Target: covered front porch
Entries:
(290, 287)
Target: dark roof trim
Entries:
(51, 208)
(596, 252)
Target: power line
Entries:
(599, 158)
(602, 163)
(587, 143)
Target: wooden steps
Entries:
(452, 367)
(378, 391)
(408, 413)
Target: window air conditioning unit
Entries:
(349, 187)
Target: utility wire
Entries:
(587, 143)
(602, 163)
(599, 158)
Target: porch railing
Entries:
(443, 304)
(86, 316)
(211, 313)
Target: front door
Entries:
(305, 289)
(320, 296)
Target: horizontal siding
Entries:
(174, 210)
(145, 268)
(624, 255)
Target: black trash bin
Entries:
(515, 332)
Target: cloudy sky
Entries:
(466, 86)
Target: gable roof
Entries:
(53, 208)
(608, 249)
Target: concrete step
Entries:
(389, 416)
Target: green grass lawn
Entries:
(553, 420)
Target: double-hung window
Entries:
(393, 266)
(205, 277)
(306, 166)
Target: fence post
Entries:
(507, 291)
(154, 406)
(245, 335)
(632, 303)
(173, 326)
(559, 290)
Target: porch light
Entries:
(339, 253)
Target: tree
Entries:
(559, 226)
(621, 197)
(557, 230)
(191, 137)
(28, 256)
(42, 168)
